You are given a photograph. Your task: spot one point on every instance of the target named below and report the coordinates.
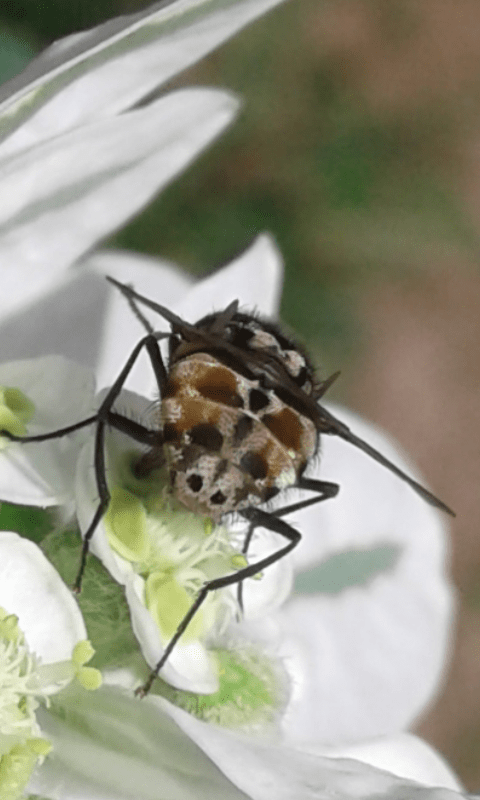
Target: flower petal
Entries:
(154, 278)
(263, 770)
(254, 278)
(189, 666)
(404, 755)
(31, 589)
(104, 71)
(92, 180)
(42, 473)
(116, 748)
(110, 746)
(389, 615)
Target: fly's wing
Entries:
(178, 324)
(278, 379)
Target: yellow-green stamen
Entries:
(16, 410)
(175, 551)
(24, 683)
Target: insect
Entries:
(240, 422)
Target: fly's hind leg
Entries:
(325, 490)
(258, 518)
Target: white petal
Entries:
(156, 279)
(115, 747)
(108, 69)
(67, 321)
(63, 195)
(189, 666)
(32, 589)
(42, 473)
(366, 650)
(265, 594)
(254, 278)
(264, 770)
(404, 755)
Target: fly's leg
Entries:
(105, 416)
(259, 518)
(325, 490)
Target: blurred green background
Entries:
(358, 147)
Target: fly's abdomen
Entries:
(229, 443)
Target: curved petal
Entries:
(31, 589)
(42, 473)
(160, 280)
(126, 748)
(67, 321)
(404, 755)
(254, 278)
(115, 747)
(367, 633)
(263, 770)
(97, 177)
(106, 70)
(189, 666)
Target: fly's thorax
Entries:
(229, 442)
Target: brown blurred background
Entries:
(359, 148)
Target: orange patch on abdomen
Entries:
(184, 413)
(286, 427)
(203, 376)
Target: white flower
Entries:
(117, 748)
(79, 155)
(42, 648)
(111, 746)
(351, 676)
(377, 522)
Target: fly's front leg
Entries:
(106, 416)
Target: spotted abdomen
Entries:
(229, 443)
